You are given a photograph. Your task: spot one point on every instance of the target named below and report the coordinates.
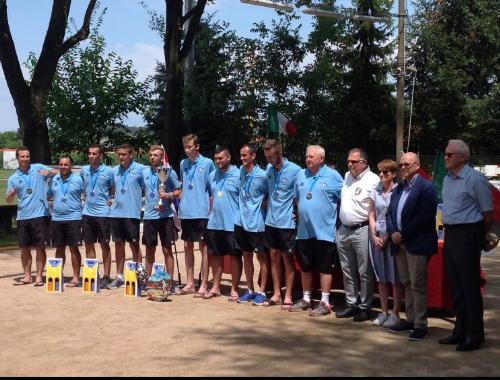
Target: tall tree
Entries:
(366, 106)
(91, 96)
(176, 47)
(30, 99)
(455, 47)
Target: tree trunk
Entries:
(31, 101)
(174, 127)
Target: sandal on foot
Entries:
(73, 284)
(271, 302)
(21, 282)
(210, 295)
(183, 292)
(233, 298)
(286, 305)
(38, 283)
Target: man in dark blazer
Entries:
(411, 224)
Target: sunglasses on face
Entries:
(406, 164)
(384, 172)
(354, 162)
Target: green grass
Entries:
(4, 175)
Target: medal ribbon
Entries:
(315, 179)
(191, 172)
(94, 177)
(153, 182)
(223, 179)
(123, 175)
(27, 180)
(65, 185)
(248, 182)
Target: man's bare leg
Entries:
(76, 263)
(41, 258)
(289, 277)
(26, 261)
(236, 269)
(276, 274)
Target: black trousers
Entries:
(462, 256)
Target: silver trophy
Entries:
(163, 175)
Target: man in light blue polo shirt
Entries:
(161, 186)
(66, 190)
(317, 191)
(194, 209)
(250, 225)
(28, 183)
(126, 209)
(467, 215)
(224, 184)
(280, 224)
(96, 224)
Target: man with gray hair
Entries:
(317, 190)
(352, 241)
(467, 215)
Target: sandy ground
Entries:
(74, 334)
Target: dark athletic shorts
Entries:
(193, 229)
(125, 229)
(281, 238)
(33, 232)
(316, 254)
(164, 227)
(66, 233)
(96, 229)
(250, 241)
(222, 243)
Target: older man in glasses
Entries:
(352, 238)
(467, 215)
(411, 224)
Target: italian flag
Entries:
(279, 124)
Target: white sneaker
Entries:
(391, 321)
(381, 318)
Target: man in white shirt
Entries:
(352, 238)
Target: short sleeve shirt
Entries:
(225, 190)
(281, 186)
(67, 197)
(317, 197)
(466, 197)
(152, 208)
(31, 190)
(195, 188)
(128, 191)
(97, 184)
(253, 190)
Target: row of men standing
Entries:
(245, 210)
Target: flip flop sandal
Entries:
(183, 292)
(271, 302)
(200, 294)
(233, 298)
(21, 283)
(73, 284)
(210, 295)
(38, 283)
(286, 305)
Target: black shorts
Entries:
(222, 243)
(96, 229)
(66, 233)
(33, 232)
(164, 227)
(250, 241)
(193, 229)
(281, 238)
(125, 229)
(316, 254)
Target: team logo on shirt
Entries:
(201, 170)
(358, 191)
(284, 181)
(323, 185)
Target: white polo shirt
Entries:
(355, 197)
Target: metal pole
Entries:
(400, 99)
(411, 110)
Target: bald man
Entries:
(411, 224)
